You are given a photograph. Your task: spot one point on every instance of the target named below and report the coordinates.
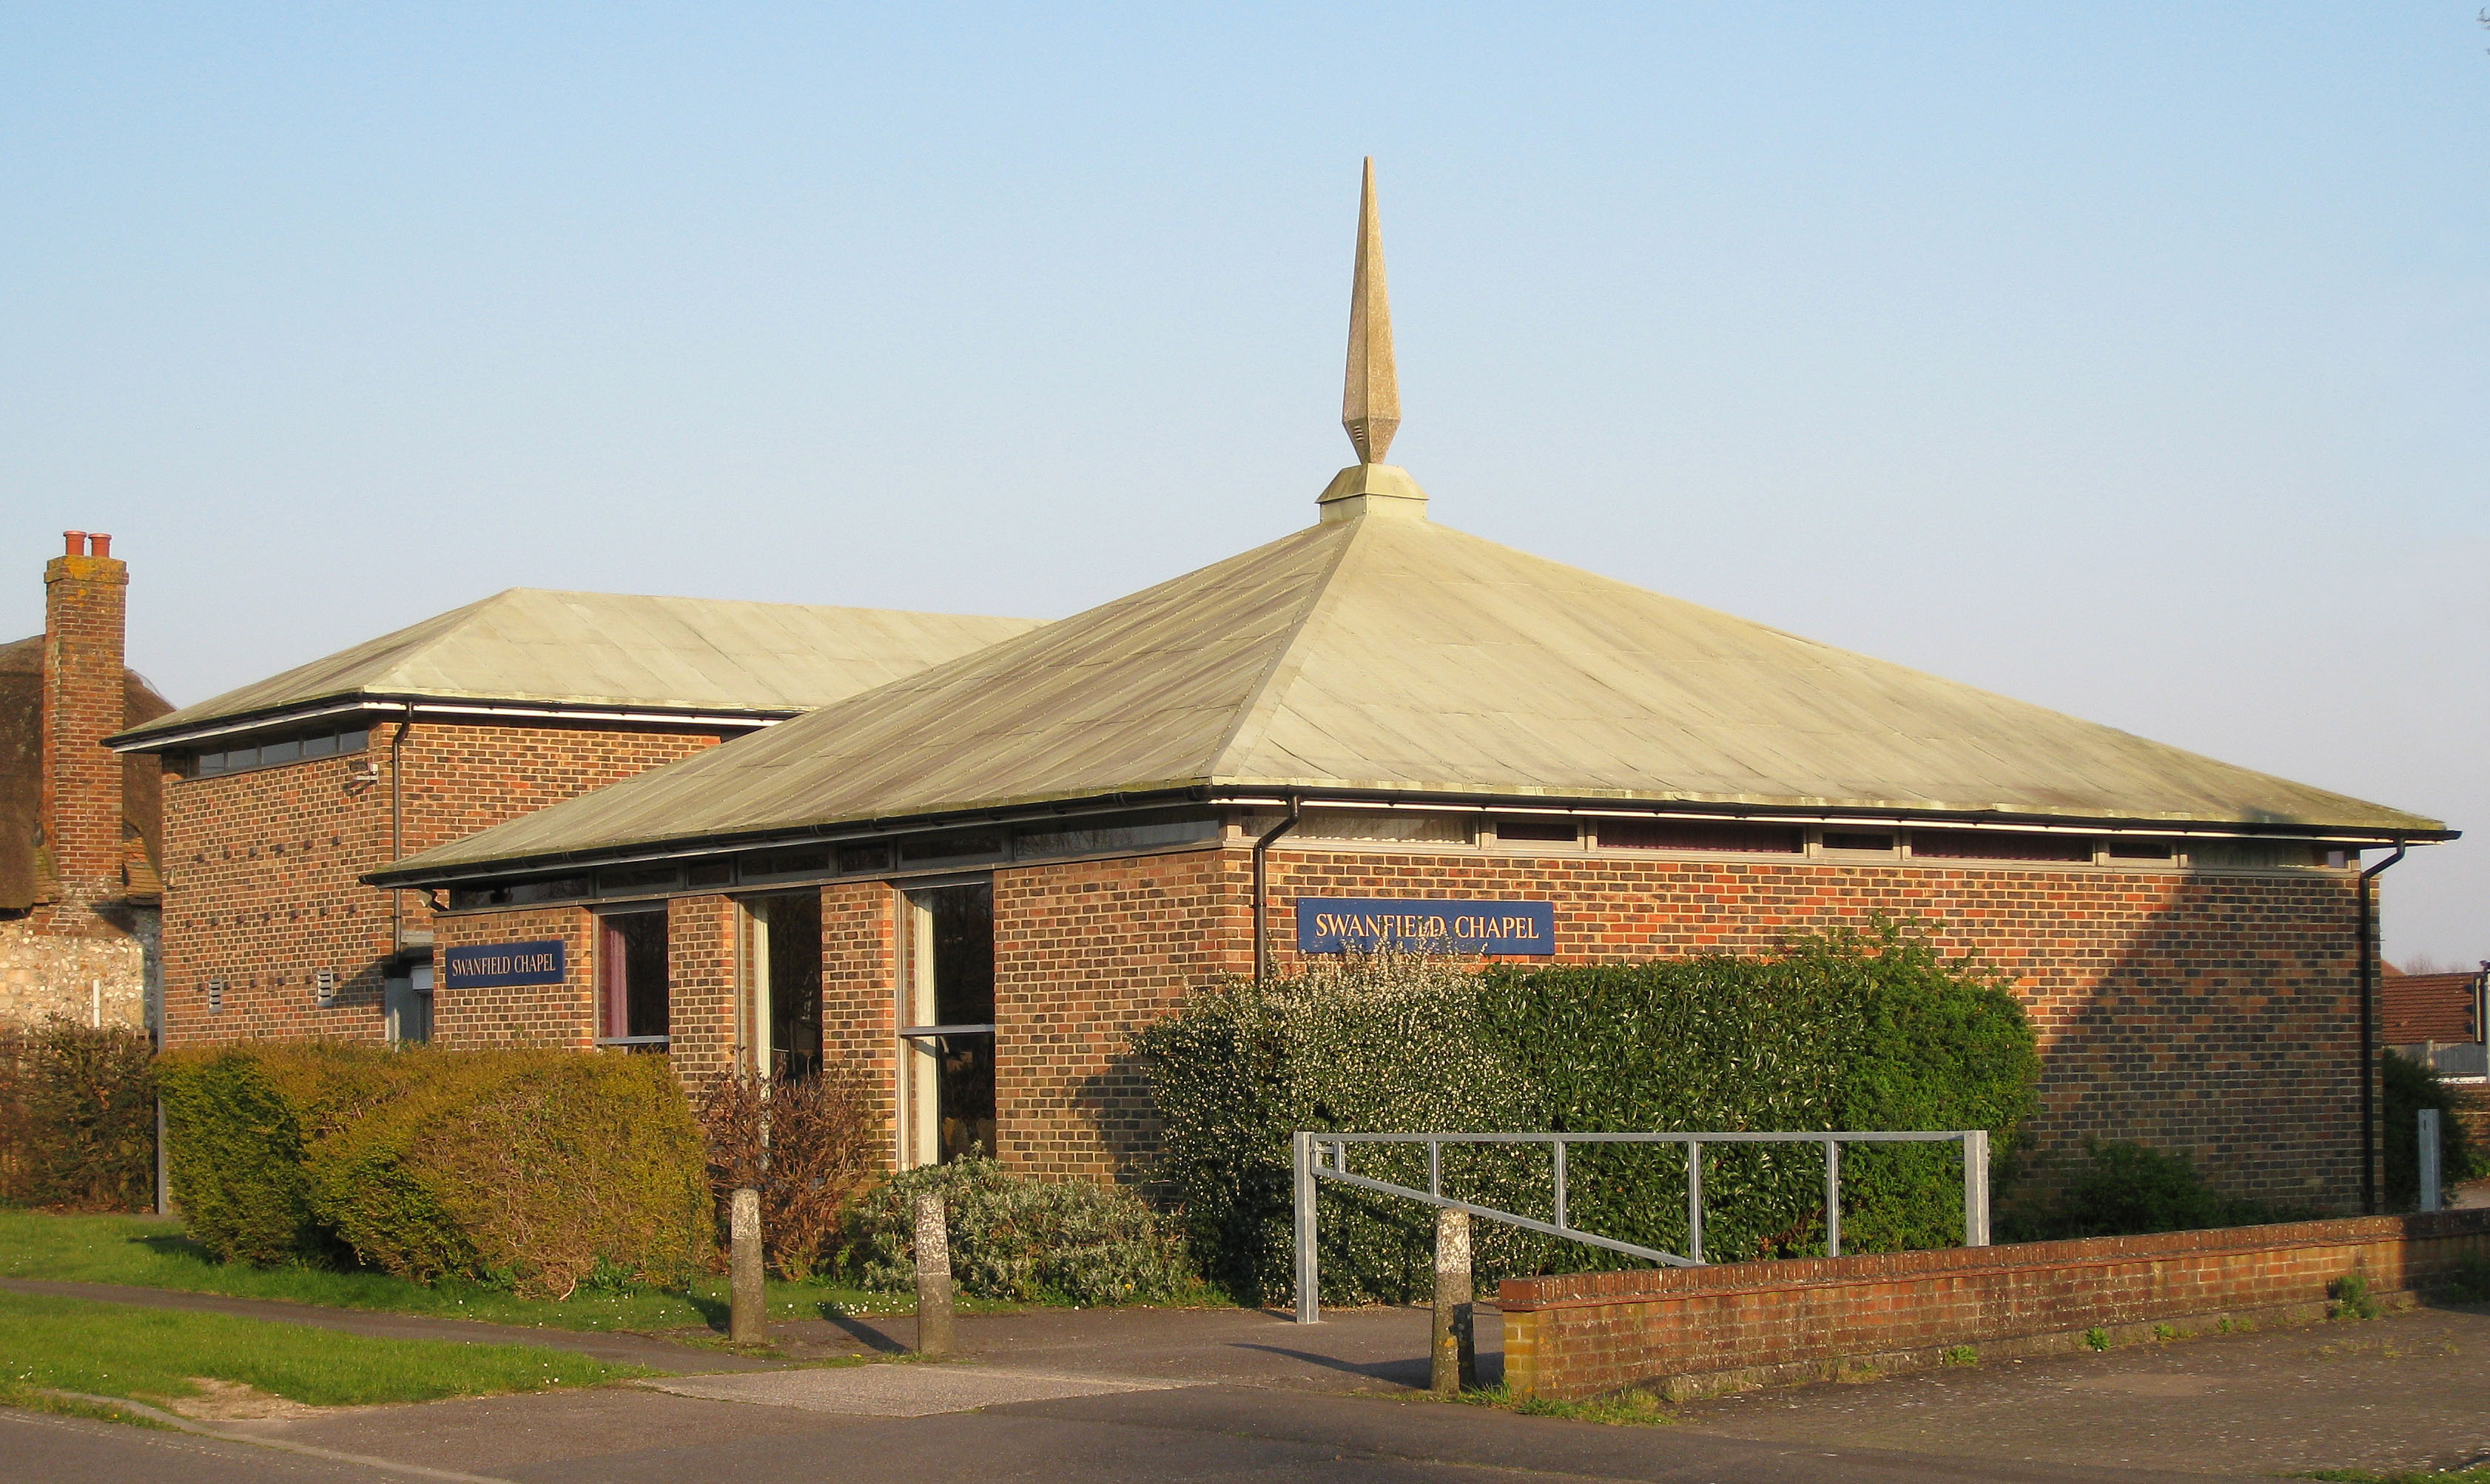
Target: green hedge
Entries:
(1020, 1238)
(1856, 1031)
(2409, 1087)
(2122, 1188)
(536, 1170)
(78, 1117)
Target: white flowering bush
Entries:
(1022, 1240)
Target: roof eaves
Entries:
(413, 872)
(440, 704)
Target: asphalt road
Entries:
(1239, 1394)
(1210, 1433)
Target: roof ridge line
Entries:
(1256, 696)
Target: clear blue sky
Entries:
(2135, 361)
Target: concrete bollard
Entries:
(2428, 1151)
(934, 1336)
(1456, 1347)
(748, 1320)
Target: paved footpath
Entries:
(1119, 1395)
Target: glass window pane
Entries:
(1536, 827)
(1388, 824)
(865, 858)
(958, 926)
(801, 861)
(1699, 835)
(1106, 839)
(1997, 845)
(794, 923)
(639, 878)
(631, 975)
(951, 848)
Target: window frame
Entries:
(611, 956)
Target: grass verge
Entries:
(26, 1400)
(1638, 1409)
(150, 1252)
(152, 1354)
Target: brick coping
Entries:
(1580, 1290)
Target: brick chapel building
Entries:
(279, 796)
(79, 847)
(974, 883)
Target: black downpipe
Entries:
(2369, 1036)
(1263, 894)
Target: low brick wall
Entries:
(1693, 1331)
(2472, 1111)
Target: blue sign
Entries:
(1330, 925)
(494, 965)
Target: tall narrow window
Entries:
(631, 978)
(787, 983)
(949, 1029)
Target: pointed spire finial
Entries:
(1370, 407)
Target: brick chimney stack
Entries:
(85, 602)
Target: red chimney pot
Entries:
(99, 544)
(77, 540)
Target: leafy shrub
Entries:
(1021, 1239)
(2125, 1189)
(2409, 1087)
(78, 1117)
(2352, 1297)
(1851, 1030)
(238, 1119)
(530, 1169)
(2470, 1283)
(1392, 1041)
(807, 1144)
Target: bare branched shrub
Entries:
(809, 1145)
(78, 1117)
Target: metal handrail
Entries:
(1308, 1148)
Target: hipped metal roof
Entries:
(589, 649)
(1391, 654)
(1379, 654)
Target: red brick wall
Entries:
(2214, 1014)
(1685, 1332)
(260, 866)
(84, 598)
(2211, 1013)
(702, 984)
(860, 990)
(1084, 954)
(563, 1014)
